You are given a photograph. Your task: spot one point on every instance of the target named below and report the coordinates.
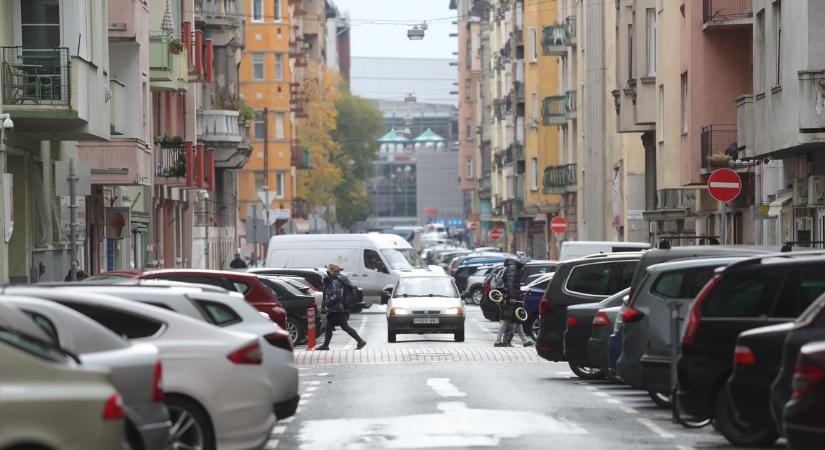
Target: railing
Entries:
(570, 104)
(554, 39)
(160, 58)
(38, 76)
(554, 109)
(559, 176)
(570, 30)
(220, 10)
(715, 140)
(219, 125)
(171, 159)
(724, 10)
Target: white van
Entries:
(580, 249)
(371, 261)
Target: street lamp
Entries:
(416, 33)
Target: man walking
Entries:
(336, 286)
(237, 263)
(511, 301)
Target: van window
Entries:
(402, 258)
(803, 287)
(669, 284)
(592, 279)
(130, 326)
(743, 295)
(373, 262)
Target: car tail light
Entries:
(279, 339)
(805, 378)
(743, 356)
(631, 315)
(601, 320)
(572, 322)
(544, 305)
(114, 408)
(249, 354)
(157, 383)
(694, 315)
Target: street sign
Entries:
(281, 214)
(558, 225)
(724, 185)
(266, 197)
(495, 234)
(474, 226)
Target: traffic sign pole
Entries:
(724, 185)
(723, 231)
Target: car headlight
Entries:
(454, 311)
(396, 311)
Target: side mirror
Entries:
(465, 295)
(385, 297)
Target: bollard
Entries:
(310, 328)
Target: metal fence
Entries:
(171, 159)
(715, 140)
(721, 10)
(560, 176)
(35, 75)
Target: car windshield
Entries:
(425, 287)
(403, 258)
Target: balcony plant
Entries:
(175, 46)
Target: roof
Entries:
(694, 262)
(429, 136)
(393, 137)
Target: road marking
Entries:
(311, 388)
(629, 410)
(272, 444)
(565, 374)
(308, 395)
(278, 430)
(312, 383)
(590, 388)
(323, 374)
(299, 410)
(444, 388)
(684, 447)
(601, 394)
(287, 420)
(655, 428)
(363, 325)
(614, 401)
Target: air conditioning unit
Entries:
(816, 190)
(800, 191)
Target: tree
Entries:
(359, 125)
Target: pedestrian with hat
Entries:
(336, 286)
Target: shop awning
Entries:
(775, 207)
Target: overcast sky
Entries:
(385, 39)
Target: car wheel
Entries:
(532, 326)
(475, 295)
(190, 425)
(736, 432)
(586, 373)
(661, 399)
(459, 336)
(294, 330)
(390, 336)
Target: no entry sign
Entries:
(474, 226)
(558, 225)
(724, 185)
(495, 234)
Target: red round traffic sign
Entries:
(558, 225)
(495, 234)
(474, 226)
(724, 185)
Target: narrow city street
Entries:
(426, 391)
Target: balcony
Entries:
(745, 123)
(557, 109)
(560, 179)
(811, 92)
(718, 144)
(224, 131)
(570, 105)
(219, 13)
(170, 160)
(554, 40)
(726, 14)
(48, 90)
(167, 71)
(570, 30)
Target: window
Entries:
(534, 174)
(533, 50)
(257, 66)
(777, 18)
(45, 324)
(280, 189)
(468, 129)
(403, 258)
(425, 286)
(260, 125)
(257, 10)
(743, 295)
(592, 279)
(372, 261)
(279, 66)
(34, 347)
(759, 48)
(534, 107)
(468, 174)
(628, 270)
(40, 23)
(279, 125)
(277, 10)
(240, 286)
(630, 52)
(468, 89)
(660, 127)
(669, 284)
(128, 325)
(803, 287)
(161, 305)
(684, 103)
(218, 313)
(650, 40)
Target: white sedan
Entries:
(425, 304)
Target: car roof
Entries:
(541, 262)
(207, 272)
(603, 257)
(424, 275)
(691, 263)
(780, 259)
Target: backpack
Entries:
(352, 296)
(490, 310)
(497, 282)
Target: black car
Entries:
(315, 277)
(579, 327)
(809, 327)
(804, 421)
(576, 282)
(536, 268)
(296, 304)
(749, 294)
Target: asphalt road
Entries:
(426, 391)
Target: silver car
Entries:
(135, 368)
(425, 304)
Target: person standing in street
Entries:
(511, 301)
(237, 263)
(336, 286)
(76, 273)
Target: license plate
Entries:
(425, 320)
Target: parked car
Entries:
(535, 269)
(296, 304)
(749, 294)
(136, 370)
(475, 284)
(253, 290)
(57, 403)
(575, 282)
(469, 267)
(580, 249)
(425, 305)
(580, 320)
(645, 359)
(808, 327)
(614, 343)
(804, 422)
(188, 349)
(597, 345)
(314, 276)
(531, 296)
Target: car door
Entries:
(681, 287)
(372, 276)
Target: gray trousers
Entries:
(505, 331)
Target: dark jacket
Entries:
(334, 286)
(512, 277)
(79, 276)
(237, 263)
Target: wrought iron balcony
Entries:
(719, 14)
(570, 105)
(718, 145)
(35, 76)
(554, 40)
(560, 179)
(219, 13)
(170, 159)
(554, 110)
(570, 30)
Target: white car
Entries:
(216, 389)
(232, 313)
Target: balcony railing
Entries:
(35, 76)
(570, 105)
(171, 159)
(557, 109)
(160, 58)
(554, 40)
(218, 125)
(722, 12)
(570, 30)
(219, 12)
(556, 177)
(716, 139)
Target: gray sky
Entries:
(369, 39)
